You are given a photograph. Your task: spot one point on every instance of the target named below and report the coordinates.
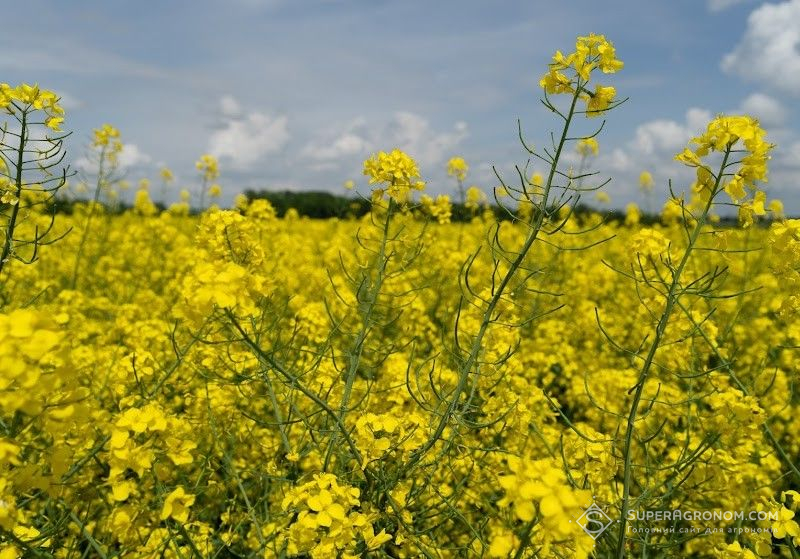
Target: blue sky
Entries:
(295, 94)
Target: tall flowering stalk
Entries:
(740, 143)
(397, 175)
(457, 167)
(571, 76)
(208, 166)
(31, 151)
(104, 155)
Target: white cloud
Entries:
(230, 106)
(619, 160)
(769, 52)
(333, 146)
(405, 130)
(659, 136)
(720, 5)
(68, 102)
(790, 157)
(244, 139)
(767, 109)
(413, 134)
(132, 156)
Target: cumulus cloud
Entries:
(130, 157)
(767, 109)
(244, 139)
(769, 52)
(408, 131)
(333, 145)
(652, 148)
(414, 134)
(230, 107)
(662, 135)
(68, 102)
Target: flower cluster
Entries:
(397, 171)
(475, 198)
(591, 52)
(327, 522)
(439, 208)
(208, 167)
(588, 146)
(457, 167)
(540, 489)
(25, 97)
(235, 383)
(377, 436)
(726, 134)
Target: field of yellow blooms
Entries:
(227, 383)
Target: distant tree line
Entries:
(325, 205)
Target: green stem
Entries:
(85, 234)
(12, 220)
(644, 374)
(366, 323)
(488, 314)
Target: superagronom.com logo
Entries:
(594, 521)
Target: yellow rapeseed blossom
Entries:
(208, 167)
(457, 167)
(646, 181)
(397, 171)
(27, 97)
(176, 505)
(588, 146)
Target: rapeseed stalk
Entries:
(388, 253)
(208, 166)
(104, 154)
(592, 52)
(728, 136)
(29, 174)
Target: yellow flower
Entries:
(591, 52)
(603, 197)
(475, 197)
(208, 167)
(457, 168)
(724, 134)
(646, 181)
(33, 98)
(440, 208)
(554, 82)
(105, 135)
(588, 146)
(176, 505)
(600, 100)
(9, 198)
(166, 175)
(397, 171)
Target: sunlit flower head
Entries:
(588, 146)
(397, 171)
(208, 167)
(457, 167)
